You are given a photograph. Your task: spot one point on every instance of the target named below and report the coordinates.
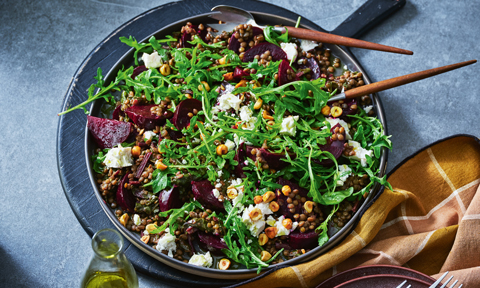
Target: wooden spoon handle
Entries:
(341, 40)
(402, 80)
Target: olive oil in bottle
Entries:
(107, 280)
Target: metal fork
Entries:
(435, 284)
(403, 283)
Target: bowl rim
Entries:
(238, 273)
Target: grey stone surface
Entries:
(43, 43)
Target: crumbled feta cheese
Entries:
(255, 227)
(307, 45)
(227, 101)
(236, 139)
(196, 140)
(167, 242)
(245, 162)
(218, 185)
(147, 135)
(203, 260)
(220, 173)
(237, 199)
(343, 171)
(249, 241)
(335, 121)
(288, 125)
(360, 153)
(265, 208)
(119, 157)
(152, 60)
(368, 108)
(216, 193)
(271, 221)
(246, 116)
(281, 230)
(136, 219)
(184, 161)
(230, 145)
(290, 49)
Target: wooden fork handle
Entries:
(341, 40)
(402, 80)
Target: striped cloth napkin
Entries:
(430, 222)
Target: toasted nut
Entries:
(257, 85)
(268, 196)
(124, 219)
(150, 227)
(271, 122)
(145, 239)
(207, 87)
(336, 111)
(222, 149)
(136, 150)
(286, 190)
(258, 199)
(274, 206)
(165, 70)
(265, 115)
(258, 104)
(224, 264)
(223, 60)
(160, 165)
(326, 110)
(262, 239)
(228, 76)
(242, 83)
(232, 192)
(308, 206)
(189, 96)
(255, 214)
(265, 256)
(287, 223)
(271, 232)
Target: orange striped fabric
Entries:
(430, 222)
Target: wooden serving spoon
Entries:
(397, 81)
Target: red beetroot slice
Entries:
(180, 117)
(240, 157)
(239, 73)
(282, 199)
(142, 165)
(137, 70)
(234, 45)
(125, 197)
(144, 118)
(335, 147)
(283, 73)
(307, 240)
(274, 160)
(311, 63)
(117, 113)
(348, 111)
(211, 241)
(108, 133)
(276, 52)
(170, 199)
(189, 37)
(203, 193)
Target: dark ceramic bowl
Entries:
(363, 271)
(127, 60)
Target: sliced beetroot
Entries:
(276, 52)
(335, 147)
(175, 135)
(108, 133)
(274, 160)
(282, 199)
(284, 73)
(189, 37)
(170, 199)
(301, 191)
(307, 240)
(212, 241)
(144, 118)
(117, 113)
(312, 64)
(180, 117)
(143, 164)
(125, 197)
(137, 70)
(234, 45)
(240, 157)
(203, 193)
(280, 245)
(349, 111)
(239, 73)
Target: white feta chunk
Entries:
(255, 227)
(230, 145)
(203, 260)
(246, 115)
(343, 171)
(152, 60)
(167, 242)
(307, 45)
(216, 193)
(288, 126)
(335, 121)
(360, 153)
(147, 135)
(228, 101)
(119, 157)
(136, 219)
(368, 108)
(290, 49)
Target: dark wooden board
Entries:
(71, 127)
